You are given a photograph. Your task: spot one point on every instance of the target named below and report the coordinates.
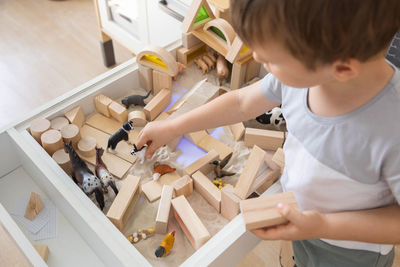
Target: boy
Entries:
(341, 102)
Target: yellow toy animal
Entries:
(166, 245)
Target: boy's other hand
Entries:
(302, 225)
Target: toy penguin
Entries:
(219, 165)
(160, 169)
(166, 245)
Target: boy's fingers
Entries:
(150, 151)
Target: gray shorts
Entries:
(317, 253)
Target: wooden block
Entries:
(163, 210)
(249, 173)
(34, 207)
(158, 58)
(157, 104)
(101, 103)
(123, 204)
(62, 159)
(58, 123)
(207, 189)
(52, 141)
(43, 251)
(238, 75)
(186, 56)
(237, 130)
(265, 139)
(38, 127)
(161, 80)
(264, 181)
(208, 143)
(190, 223)
(252, 70)
(192, 21)
(162, 116)
(196, 137)
(11, 253)
(262, 211)
(152, 189)
(104, 124)
(268, 159)
(202, 164)
(189, 40)
(138, 118)
(146, 77)
(183, 186)
(230, 203)
(76, 116)
(118, 112)
(70, 133)
(279, 159)
(87, 146)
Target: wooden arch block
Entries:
(222, 32)
(158, 58)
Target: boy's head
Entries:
(318, 32)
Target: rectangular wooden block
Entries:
(264, 181)
(161, 80)
(202, 164)
(279, 158)
(189, 40)
(162, 116)
(10, 252)
(190, 223)
(229, 202)
(265, 139)
(157, 104)
(183, 186)
(43, 251)
(118, 112)
(123, 204)
(252, 70)
(208, 143)
(145, 77)
(101, 103)
(262, 211)
(249, 173)
(238, 75)
(104, 124)
(163, 209)
(75, 116)
(186, 56)
(153, 189)
(237, 130)
(207, 189)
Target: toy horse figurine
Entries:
(84, 177)
(103, 173)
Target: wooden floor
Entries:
(50, 47)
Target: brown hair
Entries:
(319, 31)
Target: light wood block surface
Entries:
(157, 104)
(52, 141)
(265, 139)
(101, 103)
(38, 127)
(58, 123)
(153, 189)
(43, 251)
(70, 133)
(161, 80)
(207, 189)
(229, 202)
(10, 252)
(183, 186)
(75, 116)
(87, 146)
(138, 118)
(104, 124)
(118, 112)
(163, 210)
(202, 164)
(62, 159)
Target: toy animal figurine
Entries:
(201, 64)
(141, 235)
(166, 245)
(211, 56)
(219, 165)
(139, 153)
(274, 117)
(181, 68)
(161, 169)
(84, 177)
(121, 134)
(222, 69)
(136, 100)
(208, 61)
(102, 172)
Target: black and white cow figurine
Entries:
(274, 117)
(121, 134)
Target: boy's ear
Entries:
(346, 70)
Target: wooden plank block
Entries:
(207, 189)
(265, 139)
(157, 104)
(249, 173)
(264, 181)
(208, 143)
(190, 223)
(163, 209)
(189, 40)
(162, 116)
(262, 211)
(252, 70)
(123, 149)
(104, 124)
(10, 253)
(101, 103)
(75, 116)
(268, 159)
(202, 164)
(183, 186)
(153, 189)
(123, 204)
(145, 77)
(210, 41)
(238, 75)
(279, 159)
(161, 81)
(196, 137)
(43, 251)
(118, 112)
(229, 202)
(186, 56)
(237, 130)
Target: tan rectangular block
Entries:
(153, 189)
(43, 251)
(264, 181)
(252, 70)
(75, 116)
(161, 80)
(186, 56)
(238, 75)
(157, 104)
(183, 186)
(189, 40)
(145, 77)
(104, 124)
(207, 189)
(163, 209)
(265, 139)
(118, 112)
(11, 253)
(123, 204)
(101, 103)
(229, 202)
(208, 143)
(162, 116)
(279, 158)
(262, 211)
(202, 164)
(190, 223)
(237, 130)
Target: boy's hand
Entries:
(155, 134)
(302, 225)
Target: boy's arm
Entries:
(235, 106)
(380, 225)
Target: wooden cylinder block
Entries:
(70, 133)
(52, 141)
(58, 123)
(38, 127)
(87, 146)
(62, 159)
(138, 118)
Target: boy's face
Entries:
(289, 70)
